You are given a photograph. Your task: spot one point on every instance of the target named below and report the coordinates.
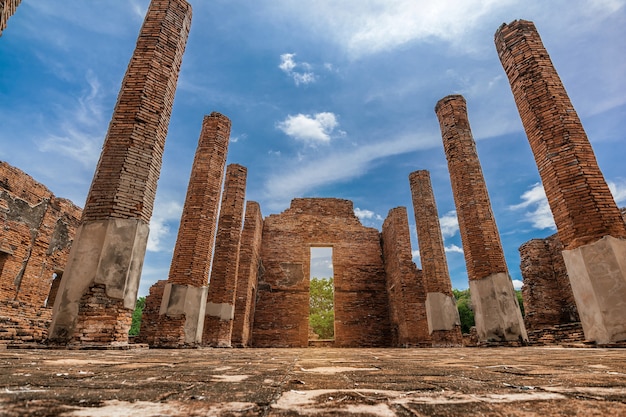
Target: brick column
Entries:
(444, 324)
(7, 8)
(497, 313)
(220, 308)
(588, 221)
(247, 274)
(181, 315)
(100, 283)
(405, 283)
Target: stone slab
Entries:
(441, 312)
(189, 301)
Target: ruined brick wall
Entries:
(582, 205)
(479, 233)
(121, 197)
(547, 294)
(220, 309)
(361, 307)
(247, 274)
(193, 251)
(405, 285)
(157, 329)
(36, 231)
(7, 9)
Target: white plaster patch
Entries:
(336, 369)
(81, 362)
(229, 378)
(128, 409)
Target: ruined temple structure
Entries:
(174, 312)
(589, 223)
(36, 231)
(497, 313)
(7, 9)
(98, 293)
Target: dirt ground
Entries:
(316, 381)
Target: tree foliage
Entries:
(321, 307)
(136, 323)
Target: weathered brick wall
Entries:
(361, 307)
(157, 329)
(124, 185)
(547, 294)
(194, 245)
(436, 277)
(582, 205)
(36, 231)
(223, 282)
(7, 8)
(191, 260)
(479, 232)
(405, 283)
(247, 274)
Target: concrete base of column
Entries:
(597, 273)
(218, 325)
(107, 253)
(496, 310)
(190, 302)
(444, 324)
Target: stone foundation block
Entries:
(188, 301)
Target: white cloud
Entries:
(164, 213)
(449, 224)
(82, 128)
(619, 191)
(453, 249)
(366, 214)
(538, 211)
(288, 65)
(415, 254)
(296, 179)
(316, 128)
(517, 284)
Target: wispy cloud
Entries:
(517, 284)
(288, 65)
(366, 214)
(312, 129)
(449, 224)
(618, 189)
(164, 213)
(453, 249)
(303, 176)
(537, 210)
(82, 128)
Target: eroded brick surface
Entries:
(223, 283)
(7, 9)
(361, 305)
(36, 231)
(247, 274)
(405, 283)
(582, 205)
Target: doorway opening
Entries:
(321, 295)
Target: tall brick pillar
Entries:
(588, 221)
(180, 318)
(497, 312)
(220, 307)
(247, 274)
(99, 286)
(444, 323)
(7, 8)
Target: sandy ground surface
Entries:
(318, 382)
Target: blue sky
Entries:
(326, 98)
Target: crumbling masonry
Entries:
(99, 289)
(176, 316)
(7, 8)
(36, 231)
(588, 221)
(497, 314)
(444, 324)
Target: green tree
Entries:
(464, 305)
(321, 307)
(136, 323)
(520, 300)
